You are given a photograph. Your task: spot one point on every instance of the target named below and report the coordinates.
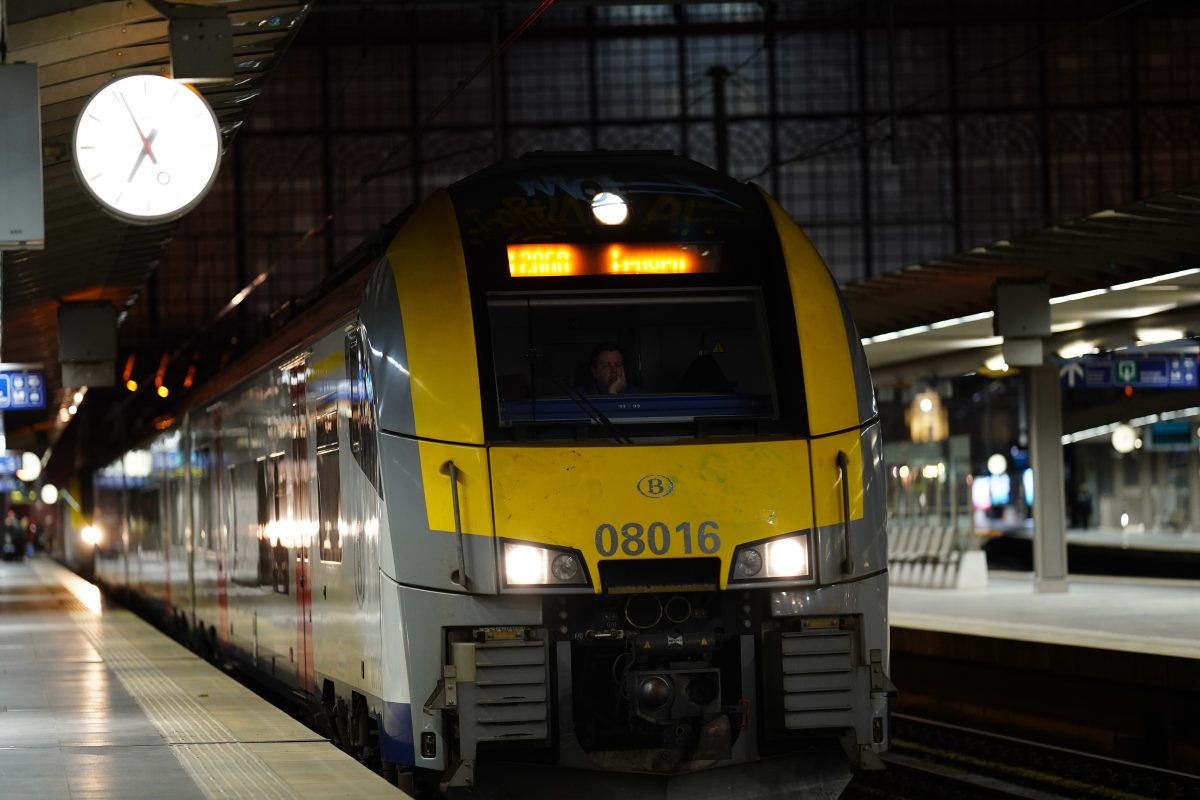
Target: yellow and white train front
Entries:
(686, 575)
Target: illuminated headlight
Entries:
(532, 565)
(787, 558)
(779, 559)
(90, 535)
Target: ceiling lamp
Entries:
(1159, 335)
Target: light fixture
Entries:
(609, 208)
(997, 464)
(163, 391)
(1159, 335)
(996, 363)
(49, 494)
(926, 405)
(131, 385)
(1124, 439)
(1077, 349)
(31, 467)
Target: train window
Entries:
(679, 356)
(328, 483)
(147, 512)
(362, 413)
(201, 497)
(272, 545)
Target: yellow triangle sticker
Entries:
(718, 348)
(704, 642)
(646, 646)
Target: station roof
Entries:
(1137, 265)
(79, 46)
(1105, 271)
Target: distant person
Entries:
(607, 365)
(1083, 506)
(12, 537)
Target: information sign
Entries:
(1159, 371)
(22, 390)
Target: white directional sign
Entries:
(1072, 373)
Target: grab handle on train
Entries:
(843, 462)
(460, 576)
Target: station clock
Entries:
(146, 148)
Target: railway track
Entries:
(936, 760)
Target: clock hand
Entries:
(145, 142)
(142, 155)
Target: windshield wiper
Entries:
(595, 414)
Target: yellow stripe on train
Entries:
(701, 499)
(824, 349)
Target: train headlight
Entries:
(90, 535)
(749, 563)
(530, 565)
(524, 565)
(564, 567)
(783, 558)
(787, 558)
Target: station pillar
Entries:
(1049, 504)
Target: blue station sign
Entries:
(1173, 371)
(22, 390)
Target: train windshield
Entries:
(620, 359)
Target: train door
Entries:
(299, 474)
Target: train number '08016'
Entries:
(658, 538)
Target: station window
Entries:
(682, 357)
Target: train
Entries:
(426, 508)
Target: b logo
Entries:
(655, 486)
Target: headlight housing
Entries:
(784, 558)
(526, 565)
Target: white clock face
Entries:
(147, 148)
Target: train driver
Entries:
(607, 363)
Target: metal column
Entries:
(1049, 506)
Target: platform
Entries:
(1132, 615)
(96, 703)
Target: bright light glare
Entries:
(609, 208)
(524, 565)
(1159, 335)
(1077, 349)
(786, 558)
(49, 494)
(996, 364)
(926, 405)
(31, 466)
(90, 535)
(929, 471)
(997, 464)
(1124, 439)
